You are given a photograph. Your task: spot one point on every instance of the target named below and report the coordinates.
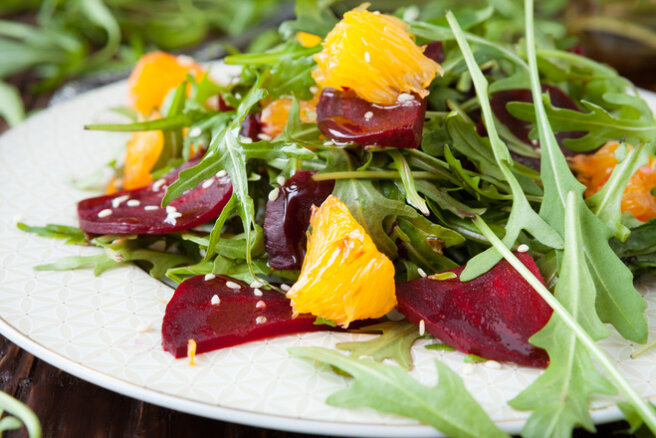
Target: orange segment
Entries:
(143, 150)
(595, 169)
(154, 75)
(308, 39)
(375, 56)
(343, 277)
(275, 114)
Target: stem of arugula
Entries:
(371, 174)
(616, 376)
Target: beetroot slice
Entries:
(491, 316)
(288, 216)
(251, 127)
(344, 117)
(239, 317)
(139, 211)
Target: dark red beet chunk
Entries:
(288, 216)
(344, 117)
(236, 319)
(251, 127)
(491, 316)
(435, 51)
(139, 212)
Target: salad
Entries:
(418, 173)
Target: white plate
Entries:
(89, 326)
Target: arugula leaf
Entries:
(291, 77)
(71, 234)
(439, 347)
(11, 105)
(599, 124)
(424, 240)
(367, 205)
(618, 302)
(560, 312)
(447, 406)
(522, 215)
(100, 263)
(226, 152)
(412, 197)
(394, 342)
(559, 397)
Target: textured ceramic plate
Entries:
(107, 329)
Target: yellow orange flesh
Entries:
(344, 277)
(275, 115)
(308, 39)
(375, 56)
(143, 150)
(595, 169)
(154, 75)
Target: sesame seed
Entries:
(151, 207)
(367, 57)
(172, 217)
(243, 139)
(104, 213)
(233, 285)
(119, 200)
(257, 292)
(256, 283)
(207, 183)
(285, 287)
(195, 131)
(273, 194)
(221, 173)
(215, 301)
(143, 327)
(468, 369)
(421, 273)
(238, 96)
(171, 209)
(158, 184)
(263, 136)
(209, 277)
(255, 177)
(133, 203)
(493, 364)
(522, 248)
(422, 328)
(405, 97)
(260, 305)
(313, 89)
(280, 180)
(328, 143)
(260, 320)
(368, 115)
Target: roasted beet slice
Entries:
(240, 314)
(344, 117)
(491, 316)
(435, 51)
(251, 127)
(288, 216)
(139, 211)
